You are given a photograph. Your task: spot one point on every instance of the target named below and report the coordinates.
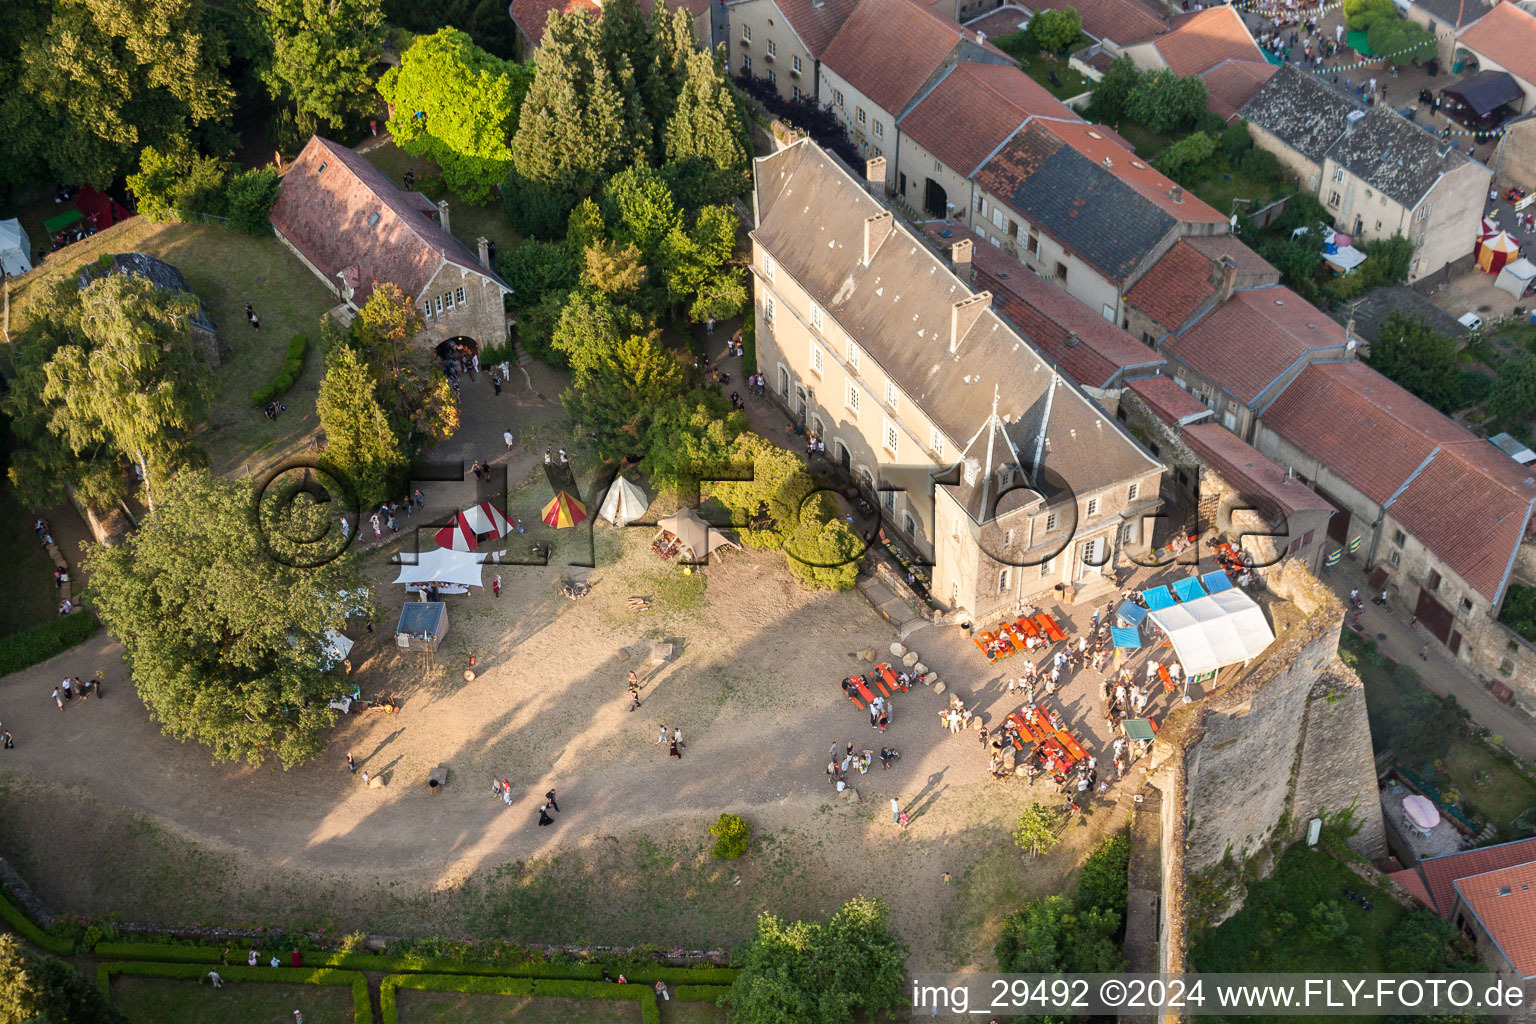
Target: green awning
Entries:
(1137, 729)
(62, 221)
(1356, 41)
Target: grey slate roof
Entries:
(1395, 156)
(1300, 110)
(1080, 204)
(157, 272)
(1458, 13)
(1373, 308)
(811, 214)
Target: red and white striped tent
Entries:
(469, 527)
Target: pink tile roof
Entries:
(345, 215)
(1253, 339)
(1121, 21)
(1505, 35)
(1099, 144)
(1439, 874)
(1504, 901)
(1233, 83)
(1256, 478)
(1206, 38)
(1176, 286)
(531, 15)
(1169, 402)
(990, 100)
(816, 23)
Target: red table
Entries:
(857, 685)
(1162, 673)
(885, 673)
(1052, 631)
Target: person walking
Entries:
(496, 586)
(351, 765)
(895, 811)
(661, 990)
(544, 818)
(663, 737)
(675, 752)
(550, 796)
(215, 980)
(5, 740)
(506, 792)
(69, 693)
(506, 435)
(677, 737)
(634, 699)
(496, 382)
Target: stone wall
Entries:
(1500, 655)
(1515, 157)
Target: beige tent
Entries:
(697, 536)
(625, 503)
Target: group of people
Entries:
(67, 691)
(840, 767)
(501, 789)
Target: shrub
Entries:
(38, 644)
(732, 836)
(1105, 880)
(749, 341)
(1018, 45)
(1260, 164)
(28, 929)
(1055, 30)
(287, 376)
(249, 196)
(1186, 154)
(362, 1009)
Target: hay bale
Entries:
(897, 650)
(910, 659)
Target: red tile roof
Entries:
(1175, 287)
(1048, 315)
(1248, 262)
(889, 49)
(1101, 144)
(816, 23)
(1439, 874)
(1120, 21)
(990, 100)
(1251, 340)
(345, 215)
(1410, 879)
(1206, 38)
(530, 15)
(1505, 902)
(1505, 35)
(1004, 21)
(1169, 402)
(1255, 477)
(1233, 83)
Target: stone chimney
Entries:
(963, 316)
(1224, 278)
(876, 230)
(442, 215)
(1176, 194)
(960, 256)
(874, 175)
(483, 244)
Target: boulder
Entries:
(920, 669)
(850, 794)
(867, 654)
(910, 659)
(938, 687)
(930, 678)
(897, 650)
(376, 782)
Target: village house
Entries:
(1504, 39)
(1197, 42)
(1191, 279)
(983, 456)
(782, 41)
(355, 229)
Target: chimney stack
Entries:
(874, 175)
(960, 256)
(442, 215)
(1072, 339)
(963, 316)
(1224, 278)
(876, 230)
(1176, 194)
(484, 245)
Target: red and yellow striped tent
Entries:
(563, 511)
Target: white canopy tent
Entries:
(1516, 277)
(469, 526)
(15, 248)
(695, 534)
(624, 503)
(1211, 632)
(442, 566)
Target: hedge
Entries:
(28, 929)
(539, 988)
(362, 1008)
(198, 954)
(38, 644)
(293, 365)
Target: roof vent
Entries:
(1311, 327)
(1353, 118)
(1072, 339)
(1279, 302)
(1108, 162)
(373, 218)
(981, 37)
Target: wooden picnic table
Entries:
(888, 675)
(856, 685)
(1051, 629)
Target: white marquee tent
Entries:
(469, 527)
(454, 568)
(15, 248)
(1214, 631)
(1516, 277)
(697, 536)
(625, 503)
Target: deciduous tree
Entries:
(1056, 29)
(320, 55)
(1418, 358)
(1035, 831)
(690, 439)
(590, 326)
(621, 391)
(1185, 154)
(35, 988)
(1165, 102)
(1514, 393)
(1112, 93)
(1051, 935)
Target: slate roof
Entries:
(889, 49)
(1206, 38)
(1047, 315)
(1085, 207)
(1234, 82)
(1258, 480)
(530, 16)
(1251, 340)
(1003, 21)
(1373, 308)
(1178, 284)
(156, 271)
(1506, 35)
(1505, 902)
(1449, 11)
(811, 214)
(1107, 149)
(1438, 875)
(1169, 402)
(990, 100)
(325, 204)
(816, 24)
(1395, 156)
(1301, 111)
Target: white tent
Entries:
(15, 248)
(625, 502)
(469, 526)
(1516, 277)
(334, 647)
(696, 535)
(454, 568)
(1214, 631)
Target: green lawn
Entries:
(1220, 189)
(186, 1002)
(1491, 788)
(466, 1008)
(1073, 82)
(1144, 141)
(674, 1012)
(467, 222)
(30, 600)
(1273, 930)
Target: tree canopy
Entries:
(1407, 350)
(225, 640)
(1111, 93)
(458, 105)
(360, 440)
(318, 55)
(1165, 102)
(42, 989)
(1056, 29)
(410, 383)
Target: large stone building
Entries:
(354, 229)
(782, 41)
(911, 378)
(1375, 172)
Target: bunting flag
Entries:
(1333, 559)
(1354, 545)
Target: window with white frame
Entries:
(795, 88)
(1047, 567)
(837, 97)
(817, 317)
(1130, 495)
(458, 295)
(858, 113)
(936, 442)
(851, 398)
(880, 128)
(795, 63)
(1002, 581)
(892, 439)
(816, 363)
(746, 32)
(768, 268)
(448, 301)
(768, 308)
(1093, 506)
(890, 394)
(1007, 538)
(426, 308)
(746, 63)
(853, 354)
(772, 48)
(438, 304)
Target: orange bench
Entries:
(1162, 673)
(1071, 745)
(1052, 631)
(856, 684)
(1028, 626)
(888, 677)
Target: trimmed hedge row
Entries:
(541, 988)
(700, 993)
(362, 1008)
(692, 976)
(287, 376)
(28, 929)
(38, 644)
